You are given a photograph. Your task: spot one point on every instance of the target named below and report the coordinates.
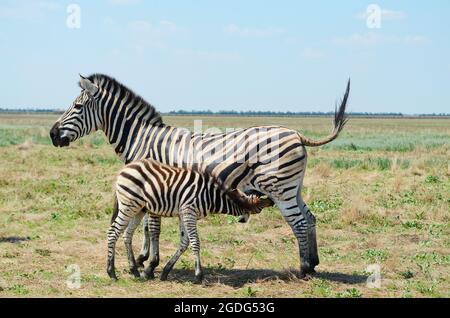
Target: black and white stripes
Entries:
(267, 160)
(168, 191)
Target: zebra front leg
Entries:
(299, 225)
(155, 230)
(184, 243)
(145, 250)
(117, 227)
(128, 238)
(190, 224)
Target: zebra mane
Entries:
(104, 82)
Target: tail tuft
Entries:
(340, 119)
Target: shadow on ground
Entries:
(14, 239)
(239, 277)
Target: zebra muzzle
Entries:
(57, 139)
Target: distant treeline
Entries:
(28, 110)
(300, 114)
(246, 113)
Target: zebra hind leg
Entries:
(145, 250)
(299, 225)
(128, 237)
(312, 238)
(184, 243)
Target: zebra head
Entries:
(80, 119)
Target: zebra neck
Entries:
(127, 134)
(147, 141)
(234, 209)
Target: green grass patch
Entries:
(350, 293)
(19, 290)
(394, 142)
(375, 255)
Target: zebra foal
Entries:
(169, 191)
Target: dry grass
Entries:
(377, 205)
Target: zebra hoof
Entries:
(314, 262)
(140, 260)
(163, 276)
(148, 275)
(112, 275)
(306, 273)
(135, 272)
(242, 219)
(304, 276)
(198, 279)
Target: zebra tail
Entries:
(116, 210)
(340, 119)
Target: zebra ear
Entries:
(88, 86)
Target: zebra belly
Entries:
(162, 213)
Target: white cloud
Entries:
(124, 2)
(170, 26)
(28, 10)
(145, 34)
(359, 39)
(161, 29)
(313, 54)
(372, 38)
(218, 56)
(416, 39)
(388, 15)
(50, 5)
(233, 29)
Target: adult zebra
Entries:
(268, 160)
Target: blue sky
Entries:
(224, 55)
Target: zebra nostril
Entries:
(54, 132)
(54, 135)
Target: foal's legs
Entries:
(145, 249)
(190, 224)
(128, 237)
(126, 212)
(184, 243)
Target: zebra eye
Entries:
(78, 106)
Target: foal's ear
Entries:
(88, 86)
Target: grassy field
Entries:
(381, 194)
